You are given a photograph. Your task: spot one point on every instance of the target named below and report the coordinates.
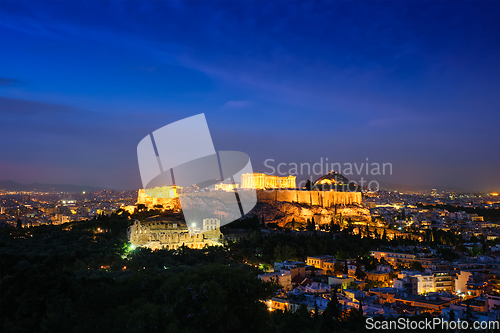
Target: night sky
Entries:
(415, 84)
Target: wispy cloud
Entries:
(237, 104)
(5, 82)
(18, 106)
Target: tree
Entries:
(359, 274)
(353, 285)
(331, 316)
(333, 226)
(273, 225)
(371, 284)
(338, 268)
(383, 261)
(309, 185)
(371, 263)
(360, 312)
(384, 236)
(474, 250)
(451, 315)
(19, 224)
(285, 252)
(293, 224)
(354, 320)
(310, 225)
(484, 247)
(469, 316)
(417, 266)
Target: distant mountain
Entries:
(419, 188)
(10, 185)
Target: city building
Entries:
(415, 283)
(461, 280)
(322, 262)
(443, 281)
(284, 279)
(344, 281)
(394, 258)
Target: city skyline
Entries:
(414, 84)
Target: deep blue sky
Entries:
(415, 84)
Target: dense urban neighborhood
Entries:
(432, 255)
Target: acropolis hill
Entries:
(167, 197)
(282, 206)
(325, 199)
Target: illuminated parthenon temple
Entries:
(263, 181)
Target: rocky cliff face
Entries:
(311, 198)
(283, 212)
(279, 206)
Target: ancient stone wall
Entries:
(165, 236)
(266, 196)
(316, 198)
(167, 203)
(286, 195)
(324, 199)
